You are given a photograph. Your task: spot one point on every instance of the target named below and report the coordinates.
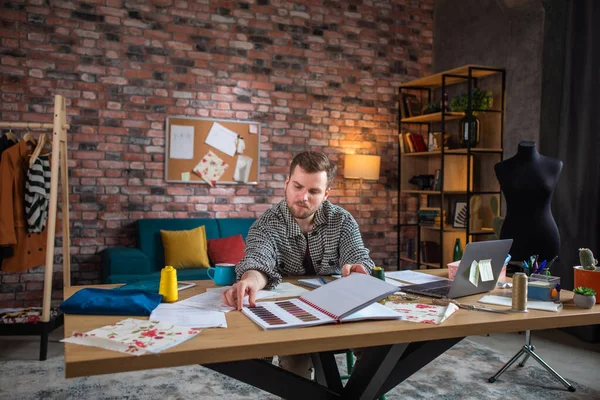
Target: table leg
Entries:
(382, 368)
(273, 379)
(326, 371)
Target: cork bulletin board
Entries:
(212, 151)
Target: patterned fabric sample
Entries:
(423, 313)
(276, 246)
(37, 194)
(23, 315)
(210, 168)
(135, 336)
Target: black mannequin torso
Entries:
(528, 180)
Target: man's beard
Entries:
(300, 211)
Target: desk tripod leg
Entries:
(529, 345)
(528, 350)
(553, 372)
(506, 366)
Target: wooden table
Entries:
(394, 350)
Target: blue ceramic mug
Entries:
(222, 274)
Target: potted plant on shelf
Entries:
(469, 124)
(584, 297)
(587, 274)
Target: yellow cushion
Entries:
(185, 249)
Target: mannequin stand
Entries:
(529, 350)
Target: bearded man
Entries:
(304, 234)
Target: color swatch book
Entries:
(294, 313)
(329, 303)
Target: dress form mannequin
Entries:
(528, 180)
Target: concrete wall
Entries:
(503, 33)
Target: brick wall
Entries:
(319, 75)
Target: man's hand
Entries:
(347, 269)
(249, 285)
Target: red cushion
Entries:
(227, 250)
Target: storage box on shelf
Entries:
(436, 170)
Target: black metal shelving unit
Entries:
(469, 75)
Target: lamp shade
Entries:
(359, 166)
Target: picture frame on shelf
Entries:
(403, 106)
(413, 105)
(460, 215)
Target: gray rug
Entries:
(461, 373)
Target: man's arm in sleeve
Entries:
(261, 255)
(352, 249)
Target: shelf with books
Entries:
(459, 177)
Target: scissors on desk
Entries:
(445, 302)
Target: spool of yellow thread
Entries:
(168, 284)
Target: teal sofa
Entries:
(124, 264)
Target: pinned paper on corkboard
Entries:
(235, 143)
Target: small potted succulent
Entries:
(584, 297)
(587, 274)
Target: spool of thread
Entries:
(519, 292)
(168, 284)
(379, 273)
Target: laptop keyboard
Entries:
(441, 291)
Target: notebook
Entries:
(294, 313)
(347, 299)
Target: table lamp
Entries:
(361, 167)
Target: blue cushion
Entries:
(150, 242)
(234, 226)
(91, 301)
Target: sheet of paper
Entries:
(222, 139)
(474, 273)
(286, 289)
(242, 169)
(185, 176)
(253, 128)
(189, 317)
(485, 270)
(241, 145)
(211, 299)
(533, 304)
(413, 276)
(182, 142)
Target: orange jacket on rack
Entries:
(29, 248)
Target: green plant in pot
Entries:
(587, 274)
(469, 124)
(584, 297)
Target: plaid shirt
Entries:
(276, 246)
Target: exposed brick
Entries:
(312, 77)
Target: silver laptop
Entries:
(496, 250)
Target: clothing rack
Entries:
(59, 161)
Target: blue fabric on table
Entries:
(152, 286)
(91, 301)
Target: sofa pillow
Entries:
(185, 249)
(228, 250)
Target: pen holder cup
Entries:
(543, 287)
(453, 267)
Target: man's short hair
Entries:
(312, 162)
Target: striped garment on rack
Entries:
(37, 194)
